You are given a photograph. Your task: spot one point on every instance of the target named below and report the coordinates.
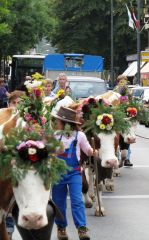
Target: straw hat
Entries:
(67, 115)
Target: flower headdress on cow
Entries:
(133, 109)
(32, 144)
(100, 117)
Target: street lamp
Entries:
(146, 19)
(112, 48)
(138, 43)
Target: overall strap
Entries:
(75, 141)
(73, 145)
(60, 137)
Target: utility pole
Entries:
(138, 43)
(146, 19)
(112, 48)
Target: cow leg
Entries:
(116, 172)
(85, 188)
(108, 179)
(124, 153)
(91, 185)
(3, 232)
(87, 200)
(109, 184)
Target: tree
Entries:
(84, 26)
(26, 24)
(4, 13)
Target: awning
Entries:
(132, 69)
(145, 68)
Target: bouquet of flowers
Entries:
(132, 109)
(105, 121)
(32, 144)
(99, 117)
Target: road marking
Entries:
(141, 166)
(128, 197)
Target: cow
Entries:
(106, 145)
(113, 98)
(31, 196)
(125, 140)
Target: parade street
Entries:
(127, 208)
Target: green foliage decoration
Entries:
(133, 110)
(32, 144)
(102, 116)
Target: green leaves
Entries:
(85, 27)
(119, 123)
(22, 24)
(12, 166)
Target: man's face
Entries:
(14, 102)
(62, 81)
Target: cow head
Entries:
(130, 137)
(107, 150)
(32, 199)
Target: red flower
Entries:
(37, 92)
(33, 158)
(106, 120)
(34, 121)
(132, 112)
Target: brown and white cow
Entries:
(32, 205)
(107, 161)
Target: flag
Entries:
(137, 22)
(131, 21)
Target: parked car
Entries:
(142, 95)
(139, 92)
(83, 87)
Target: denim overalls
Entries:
(73, 181)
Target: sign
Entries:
(145, 56)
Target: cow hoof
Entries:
(116, 174)
(98, 213)
(88, 205)
(109, 188)
(93, 197)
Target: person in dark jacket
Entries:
(3, 94)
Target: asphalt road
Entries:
(127, 208)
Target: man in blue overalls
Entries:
(73, 144)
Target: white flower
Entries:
(108, 127)
(98, 122)
(32, 84)
(32, 151)
(100, 117)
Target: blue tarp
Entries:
(54, 62)
(93, 63)
(89, 63)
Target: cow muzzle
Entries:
(131, 140)
(33, 221)
(111, 163)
